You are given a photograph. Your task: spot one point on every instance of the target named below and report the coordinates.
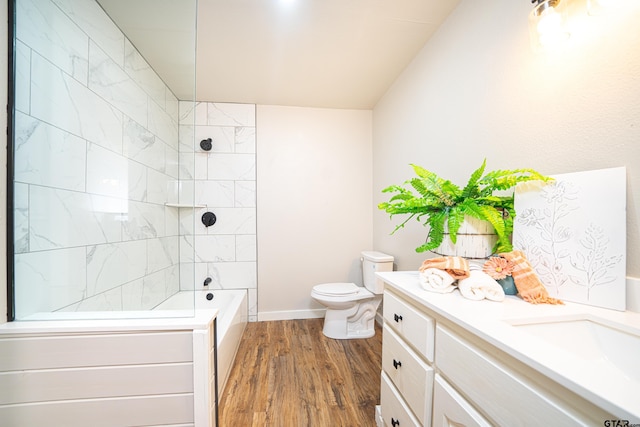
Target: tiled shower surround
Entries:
(98, 156)
(221, 181)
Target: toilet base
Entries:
(354, 322)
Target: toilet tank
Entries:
(373, 262)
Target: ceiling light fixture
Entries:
(548, 24)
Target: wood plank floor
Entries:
(287, 373)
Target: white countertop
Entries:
(594, 379)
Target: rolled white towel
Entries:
(479, 285)
(436, 280)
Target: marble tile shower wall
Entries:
(223, 180)
(96, 157)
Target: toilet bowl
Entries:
(351, 309)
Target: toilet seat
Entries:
(337, 289)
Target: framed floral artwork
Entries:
(573, 232)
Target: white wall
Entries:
(314, 204)
(3, 159)
(477, 90)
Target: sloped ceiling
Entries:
(314, 53)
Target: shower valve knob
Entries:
(207, 281)
(208, 219)
(206, 144)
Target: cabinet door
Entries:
(410, 374)
(414, 326)
(451, 410)
(394, 411)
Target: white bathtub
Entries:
(134, 368)
(232, 318)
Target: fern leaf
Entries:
(436, 232)
(454, 221)
(471, 189)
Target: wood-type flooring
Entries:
(288, 374)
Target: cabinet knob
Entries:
(396, 363)
(395, 422)
(397, 317)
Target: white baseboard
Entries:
(290, 314)
(379, 420)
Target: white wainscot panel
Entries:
(222, 114)
(48, 280)
(58, 99)
(60, 218)
(41, 25)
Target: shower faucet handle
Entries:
(207, 281)
(206, 144)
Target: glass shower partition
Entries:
(99, 178)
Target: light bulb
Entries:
(547, 25)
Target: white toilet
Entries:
(351, 309)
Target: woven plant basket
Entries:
(476, 239)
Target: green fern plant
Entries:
(437, 200)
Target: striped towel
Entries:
(529, 286)
(457, 267)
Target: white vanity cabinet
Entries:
(407, 357)
(437, 372)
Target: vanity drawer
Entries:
(413, 326)
(394, 411)
(451, 409)
(506, 396)
(410, 374)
